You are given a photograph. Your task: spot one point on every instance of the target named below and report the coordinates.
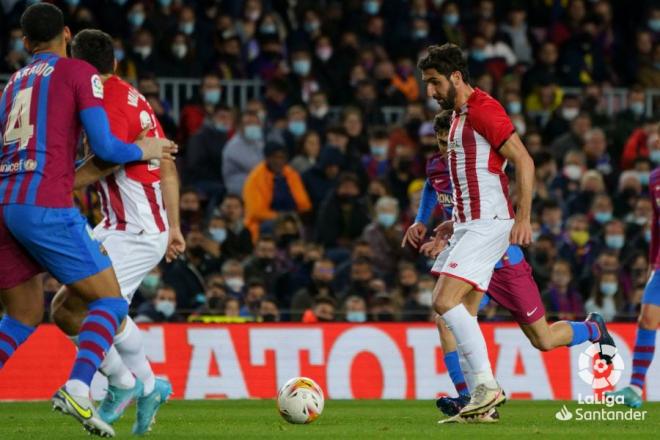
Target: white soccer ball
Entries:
(300, 400)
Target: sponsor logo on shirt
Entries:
(17, 167)
(97, 87)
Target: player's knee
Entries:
(647, 321)
(444, 303)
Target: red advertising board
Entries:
(391, 361)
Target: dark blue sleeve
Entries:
(427, 204)
(103, 143)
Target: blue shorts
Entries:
(484, 302)
(58, 239)
(652, 290)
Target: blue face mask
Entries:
(654, 24)
(378, 150)
(312, 27)
(386, 219)
(212, 97)
(608, 289)
(514, 107)
(655, 156)
(165, 3)
(302, 67)
(136, 19)
(121, 2)
(356, 316)
(73, 3)
(451, 19)
(253, 133)
(268, 29)
(297, 128)
(166, 308)
(478, 55)
(221, 127)
(637, 108)
(187, 27)
(371, 7)
(17, 45)
(119, 55)
(615, 241)
(420, 34)
(219, 235)
(602, 217)
(644, 177)
(647, 235)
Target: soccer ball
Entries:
(300, 400)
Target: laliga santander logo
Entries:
(604, 375)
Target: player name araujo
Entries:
(39, 69)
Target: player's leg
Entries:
(24, 310)
(61, 241)
(514, 288)
(450, 406)
(647, 325)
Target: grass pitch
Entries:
(340, 420)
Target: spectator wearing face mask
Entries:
(562, 300)
(343, 215)
(629, 190)
(296, 127)
(384, 235)
(577, 246)
(606, 297)
(383, 309)
(308, 151)
(204, 154)
(568, 181)
(630, 118)
(233, 274)
(323, 310)
(614, 236)
(162, 309)
(254, 294)
(376, 162)
(243, 152)
(180, 60)
(216, 295)
(355, 310)
(239, 240)
(321, 285)
(601, 212)
(591, 183)
(148, 287)
(319, 111)
(273, 187)
(268, 310)
(417, 306)
(200, 108)
(186, 273)
(190, 208)
(262, 265)
(144, 54)
(302, 78)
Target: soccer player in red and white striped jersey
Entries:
(481, 140)
(141, 225)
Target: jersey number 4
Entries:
(18, 127)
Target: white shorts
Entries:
(132, 255)
(473, 251)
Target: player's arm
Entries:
(514, 151)
(415, 233)
(92, 170)
(653, 248)
(169, 184)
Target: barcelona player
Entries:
(43, 108)
(649, 316)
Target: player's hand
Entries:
(445, 229)
(432, 248)
(521, 233)
(157, 148)
(414, 234)
(176, 245)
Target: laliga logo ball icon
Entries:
(603, 375)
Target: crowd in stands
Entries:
(291, 214)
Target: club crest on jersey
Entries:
(97, 87)
(145, 120)
(452, 145)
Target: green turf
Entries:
(340, 420)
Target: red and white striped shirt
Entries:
(478, 131)
(131, 198)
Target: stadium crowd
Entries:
(293, 214)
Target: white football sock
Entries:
(77, 387)
(131, 349)
(118, 374)
(467, 373)
(471, 343)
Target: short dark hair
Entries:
(379, 132)
(42, 22)
(95, 47)
(442, 121)
(446, 59)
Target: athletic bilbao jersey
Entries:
(654, 189)
(40, 129)
(437, 173)
(477, 132)
(131, 198)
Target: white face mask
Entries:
(235, 283)
(569, 113)
(425, 297)
(573, 172)
(166, 307)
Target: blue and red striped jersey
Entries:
(40, 129)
